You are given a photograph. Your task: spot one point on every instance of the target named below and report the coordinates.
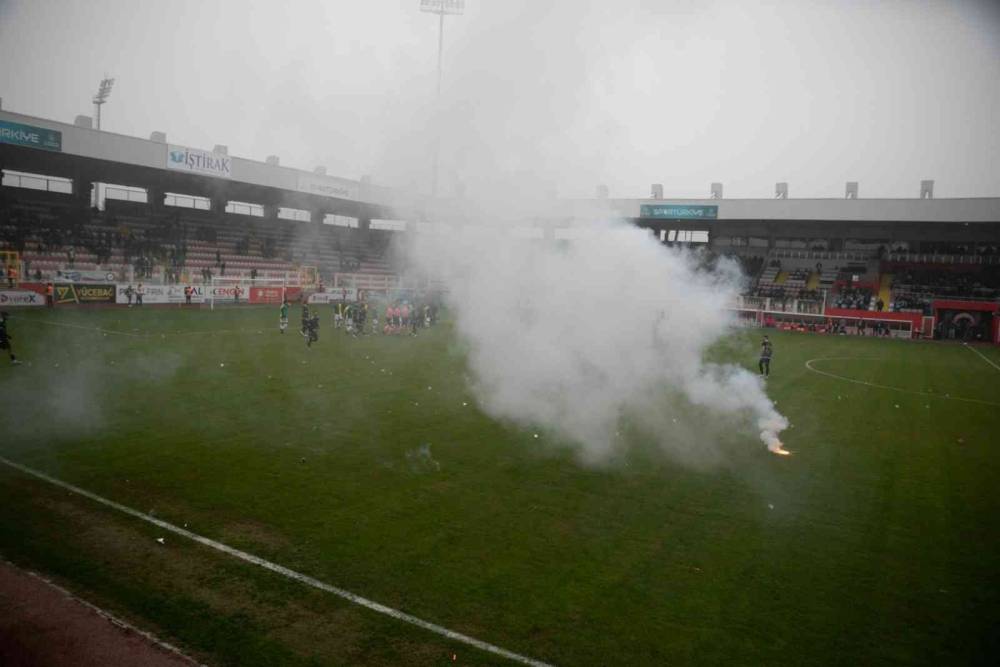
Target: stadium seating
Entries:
(914, 287)
(125, 240)
(854, 298)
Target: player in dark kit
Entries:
(5, 339)
(305, 318)
(765, 357)
(312, 330)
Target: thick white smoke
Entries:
(574, 335)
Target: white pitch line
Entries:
(146, 334)
(982, 356)
(885, 386)
(284, 571)
(80, 326)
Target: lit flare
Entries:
(777, 448)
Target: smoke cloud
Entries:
(575, 336)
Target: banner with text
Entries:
(154, 294)
(334, 295)
(74, 276)
(273, 294)
(228, 293)
(30, 136)
(84, 293)
(16, 297)
(198, 161)
(678, 212)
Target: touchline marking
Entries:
(146, 334)
(982, 356)
(885, 386)
(80, 326)
(284, 571)
(114, 620)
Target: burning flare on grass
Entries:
(779, 449)
(774, 445)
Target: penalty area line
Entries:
(809, 365)
(282, 570)
(981, 356)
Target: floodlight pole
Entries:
(440, 51)
(439, 7)
(103, 92)
(437, 109)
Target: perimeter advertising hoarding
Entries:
(16, 297)
(30, 136)
(678, 212)
(274, 294)
(335, 295)
(228, 292)
(198, 161)
(154, 294)
(84, 293)
(74, 276)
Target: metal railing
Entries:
(849, 255)
(936, 258)
(781, 305)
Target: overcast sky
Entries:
(558, 96)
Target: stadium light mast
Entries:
(103, 92)
(442, 8)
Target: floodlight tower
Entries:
(441, 8)
(103, 92)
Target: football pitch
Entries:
(365, 464)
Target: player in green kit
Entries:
(283, 319)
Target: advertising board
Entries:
(157, 294)
(86, 293)
(16, 297)
(273, 294)
(334, 295)
(678, 212)
(198, 161)
(30, 136)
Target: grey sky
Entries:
(553, 95)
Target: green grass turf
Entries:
(875, 543)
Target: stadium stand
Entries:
(55, 239)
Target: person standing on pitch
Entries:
(312, 330)
(5, 339)
(283, 318)
(765, 357)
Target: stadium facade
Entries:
(912, 266)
